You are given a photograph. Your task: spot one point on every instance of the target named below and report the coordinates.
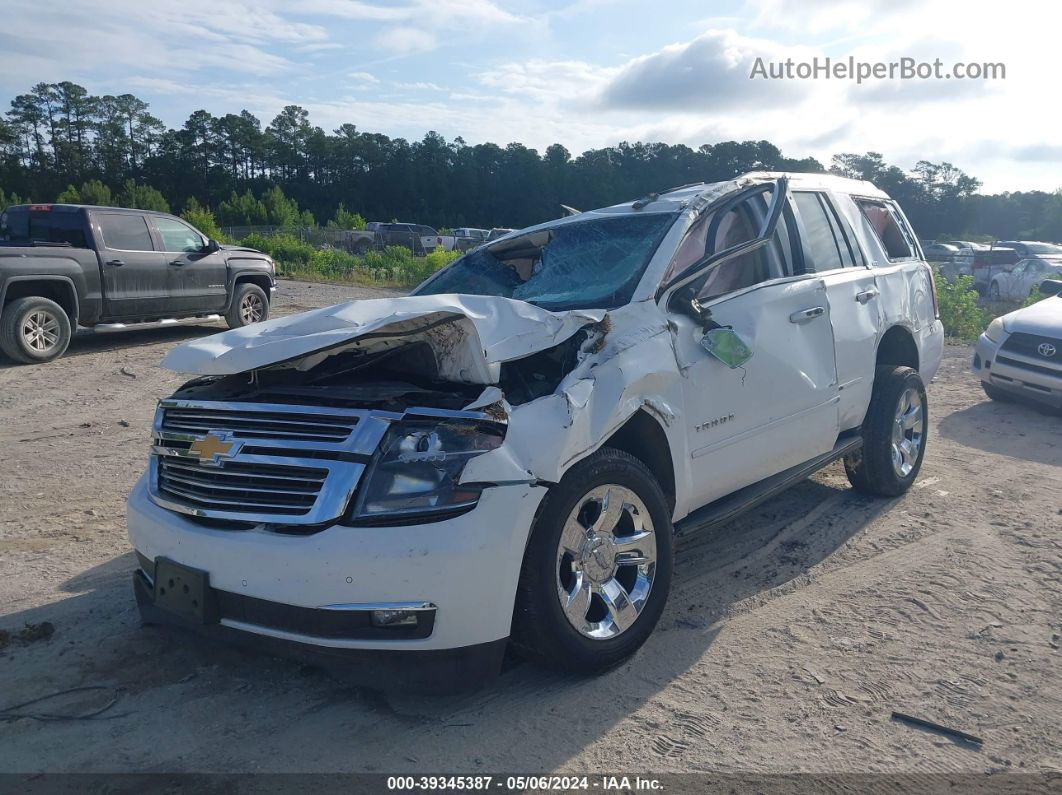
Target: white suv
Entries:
(504, 456)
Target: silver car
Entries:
(1020, 353)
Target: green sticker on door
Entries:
(727, 346)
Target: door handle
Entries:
(177, 262)
(804, 315)
(115, 262)
(866, 295)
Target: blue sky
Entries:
(584, 73)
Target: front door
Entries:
(747, 421)
(134, 273)
(196, 275)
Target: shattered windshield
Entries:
(594, 263)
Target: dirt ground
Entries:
(790, 637)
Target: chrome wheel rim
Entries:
(251, 308)
(908, 432)
(40, 331)
(606, 562)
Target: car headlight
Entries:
(995, 330)
(417, 468)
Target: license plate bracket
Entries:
(185, 592)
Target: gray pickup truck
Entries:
(65, 265)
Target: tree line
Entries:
(59, 142)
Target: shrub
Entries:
(202, 219)
(287, 250)
(962, 315)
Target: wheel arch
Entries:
(898, 348)
(257, 278)
(55, 288)
(643, 437)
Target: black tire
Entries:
(541, 631)
(34, 350)
(995, 393)
(993, 292)
(240, 314)
(362, 247)
(871, 469)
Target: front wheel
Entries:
(894, 434)
(993, 292)
(249, 305)
(597, 569)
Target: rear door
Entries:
(196, 277)
(739, 268)
(830, 251)
(135, 279)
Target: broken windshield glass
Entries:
(594, 263)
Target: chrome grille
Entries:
(277, 489)
(295, 423)
(285, 464)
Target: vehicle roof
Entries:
(63, 207)
(701, 192)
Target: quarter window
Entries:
(886, 227)
(125, 232)
(178, 236)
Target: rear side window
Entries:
(886, 227)
(46, 226)
(825, 245)
(124, 232)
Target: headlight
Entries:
(995, 330)
(417, 467)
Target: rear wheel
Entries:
(993, 291)
(249, 305)
(34, 330)
(894, 434)
(597, 569)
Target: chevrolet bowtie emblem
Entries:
(211, 448)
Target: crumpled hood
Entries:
(1043, 317)
(471, 335)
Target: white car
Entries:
(1021, 281)
(505, 455)
(1020, 354)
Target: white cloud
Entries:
(405, 41)
(364, 77)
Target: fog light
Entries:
(394, 618)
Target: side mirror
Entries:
(1051, 287)
(211, 246)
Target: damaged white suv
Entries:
(504, 456)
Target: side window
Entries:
(1019, 269)
(729, 226)
(177, 235)
(125, 232)
(826, 247)
(886, 227)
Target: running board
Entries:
(165, 322)
(733, 505)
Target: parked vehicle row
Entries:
(502, 458)
(65, 265)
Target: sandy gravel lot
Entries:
(790, 636)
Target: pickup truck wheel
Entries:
(34, 330)
(249, 305)
(993, 292)
(894, 435)
(597, 569)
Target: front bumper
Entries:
(466, 566)
(1017, 374)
